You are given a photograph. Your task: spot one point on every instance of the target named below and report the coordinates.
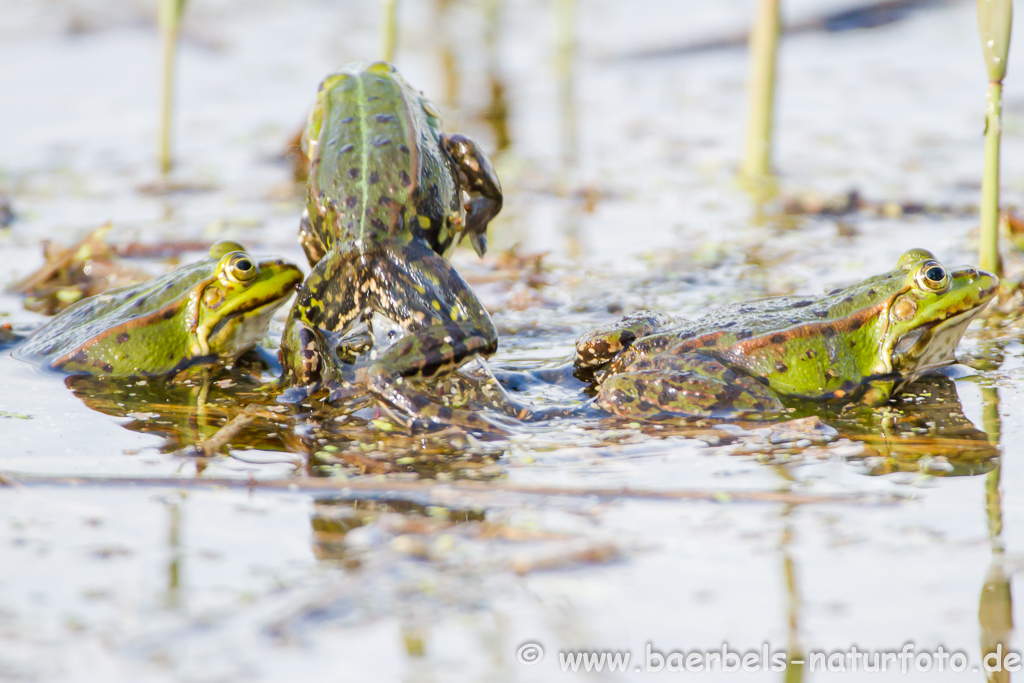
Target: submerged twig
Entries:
(351, 487)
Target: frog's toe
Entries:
(295, 394)
(342, 391)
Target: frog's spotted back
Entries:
(379, 171)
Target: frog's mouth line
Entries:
(932, 345)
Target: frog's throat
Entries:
(932, 345)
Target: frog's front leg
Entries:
(600, 346)
(445, 323)
(479, 180)
(688, 384)
(310, 241)
(329, 303)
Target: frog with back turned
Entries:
(384, 210)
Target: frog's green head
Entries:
(929, 310)
(229, 311)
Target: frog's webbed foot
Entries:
(600, 346)
(479, 180)
(690, 385)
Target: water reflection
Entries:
(793, 673)
(995, 608)
(174, 553)
(925, 431)
(188, 412)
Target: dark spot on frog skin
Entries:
(835, 291)
(728, 324)
(383, 118)
(381, 142)
(821, 314)
(81, 356)
(810, 354)
(123, 337)
(351, 201)
(871, 293)
(828, 332)
(107, 367)
(853, 343)
(348, 119)
(169, 313)
(778, 339)
(743, 334)
(745, 309)
(374, 178)
(403, 149)
(404, 177)
(848, 300)
(347, 148)
(801, 304)
(353, 173)
(140, 303)
(385, 200)
(780, 366)
(378, 224)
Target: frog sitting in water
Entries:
(204, 312)
(384, 209)
(860, 342)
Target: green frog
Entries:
(201, 313)
(384, 210)
(861, 342)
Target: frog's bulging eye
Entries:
(240, 268)
(932, 277)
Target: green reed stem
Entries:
(989, 248)
(389, 29)
(169, 20)
(565, 67)
(764, 42)
(994, 21)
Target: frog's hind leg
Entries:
(479, 180)
(445, 323)
(600, 346)
(690, 384)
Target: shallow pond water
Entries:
(339, 550)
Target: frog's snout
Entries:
(986, 282)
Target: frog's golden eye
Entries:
(240, 268)
(932, 277)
